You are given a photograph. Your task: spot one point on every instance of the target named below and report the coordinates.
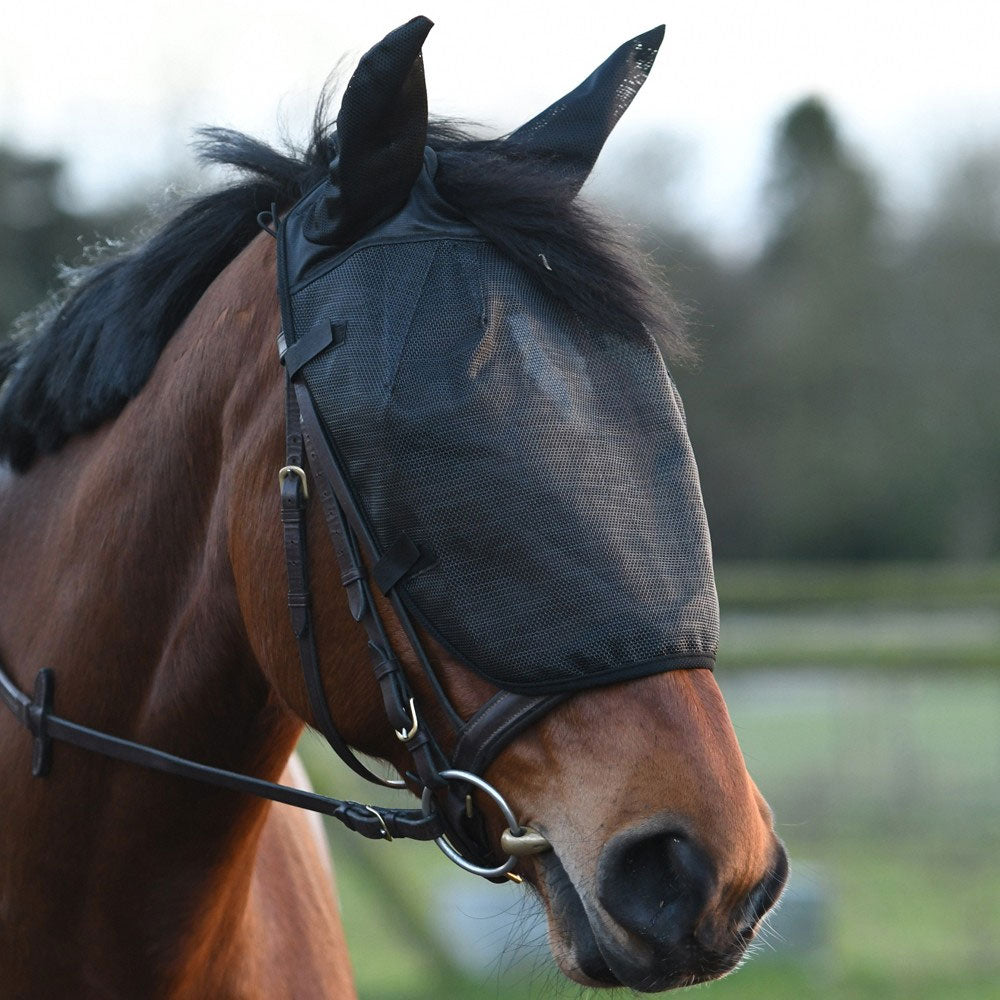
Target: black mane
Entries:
(102, 334)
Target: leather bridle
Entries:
(447, 814)
(479, 739)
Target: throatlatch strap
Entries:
(428, 759)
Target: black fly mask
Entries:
(517, 474)
(527, 479)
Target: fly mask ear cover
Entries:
(527, 478)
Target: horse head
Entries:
(486, 407)
(485, 449)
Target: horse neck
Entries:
(116, 574)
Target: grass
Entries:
(894, 640)
(885, 783)
(777, 586)
(786, 981)
(901, 617)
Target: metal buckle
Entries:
(381, 822)
(294, 470)
(519, 836)
(401, 734)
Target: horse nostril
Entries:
(764, 895)
(654, 884)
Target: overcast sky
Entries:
(116, 87)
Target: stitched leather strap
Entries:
(293, 517)
(428, 760)
(496, 724)
(37, 718)
(324, 465)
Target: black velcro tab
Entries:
(396, 562)
(321, 335)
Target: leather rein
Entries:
(447, 814)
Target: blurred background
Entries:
(821, 188)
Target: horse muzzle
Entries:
(649, 922)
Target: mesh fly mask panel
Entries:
(538, 470)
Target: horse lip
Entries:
(637, 971)
(571, 916)
(766, 894)
(599, 957)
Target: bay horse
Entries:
(144, 565)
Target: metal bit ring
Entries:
(514, 827)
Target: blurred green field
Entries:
(886, 786)
(773, 586)
(900, 616)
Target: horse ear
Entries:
(381, 133)
(571, 133)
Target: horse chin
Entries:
(593, 953)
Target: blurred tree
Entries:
(815, 346)
(792, 409)
(822, 200)
(948, 346)
(37, 234)
(847, 405)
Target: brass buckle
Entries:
(381, 822)
(401, 734)
(294, 470)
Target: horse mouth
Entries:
(577, 953)
(593, 954)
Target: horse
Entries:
(146, 579)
